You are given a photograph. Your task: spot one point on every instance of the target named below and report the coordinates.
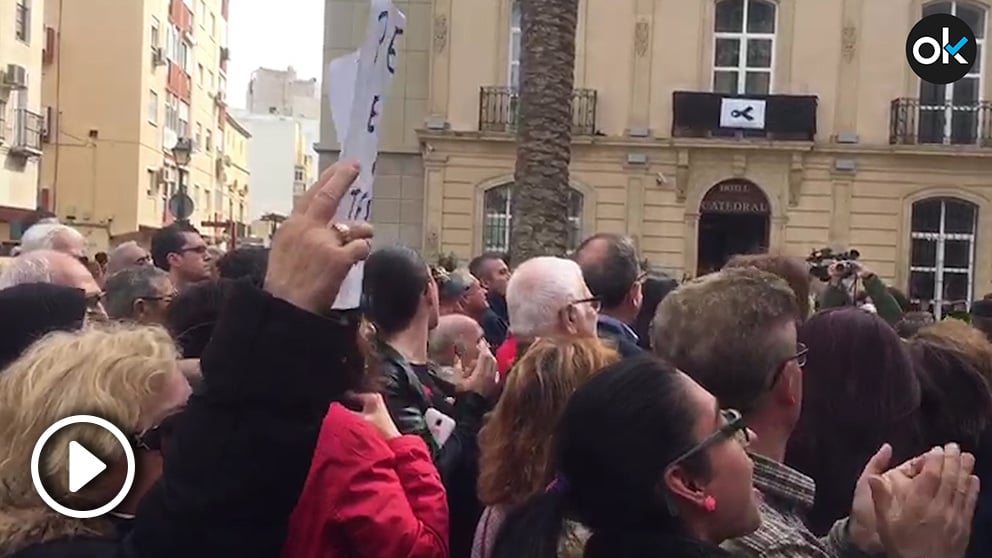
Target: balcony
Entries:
(699, 114)
(916, 122)
(29, 130)
(498, 110)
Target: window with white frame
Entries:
(496, 219)
(154, 35)
(942, 256)
(172, 112)
(513, 78)
(183, 113)
(951, 113)
(22, 20)
(151, 111)
(744, 47)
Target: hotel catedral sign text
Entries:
(735, 197)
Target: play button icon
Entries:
(83, 466)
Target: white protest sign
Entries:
(357, 91)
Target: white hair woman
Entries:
(127, 375)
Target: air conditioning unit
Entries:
(15, 77)
(158, 57)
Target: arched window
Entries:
(951, 114)
(514, 69)
(942, 260)
(744, 47)
(496, 219)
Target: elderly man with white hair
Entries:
(47, 235)
(56, 268)
(546, 297)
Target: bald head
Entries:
(48, 266)
(127, 255)
(456, 335)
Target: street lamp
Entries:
(182, 208)
(182, 151)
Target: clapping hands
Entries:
(921, 509)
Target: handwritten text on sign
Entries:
(358, 86)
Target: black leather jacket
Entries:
(408, 396)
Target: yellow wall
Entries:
(19, 175)
(109, 141)
(96, 86)
(849, 53)
(237, 173)
(208, 188)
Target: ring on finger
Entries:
(344, 232)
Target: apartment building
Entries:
(280, 160)
(22, 122)
(852, 149)
(282, 92)
(398, 210)
(237, 174)
(123, 83)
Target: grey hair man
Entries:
(547, 296)
(54, 236)
(57, 268)
(140, 294)
(456, 341)
(127, 254)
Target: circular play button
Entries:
(83, 466)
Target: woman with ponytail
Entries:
(649, 463)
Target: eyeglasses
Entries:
(195, 249)
(594, 301)
(733, 429)
(157, 438)
(800, 357)
(143, 260)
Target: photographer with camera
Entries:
(844, 276)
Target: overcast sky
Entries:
(273, 34)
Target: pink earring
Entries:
(709, 504)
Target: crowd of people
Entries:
(570, 407)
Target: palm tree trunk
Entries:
(540, 192)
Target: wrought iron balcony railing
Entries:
(920, 122)
(498, 110)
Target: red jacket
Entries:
(366, 497)
(506, 355)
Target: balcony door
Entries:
(951, 114)
(734, 218)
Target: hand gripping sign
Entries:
(358, 84)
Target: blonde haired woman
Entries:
(515, 443)
(241, 448)
(127, 375)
